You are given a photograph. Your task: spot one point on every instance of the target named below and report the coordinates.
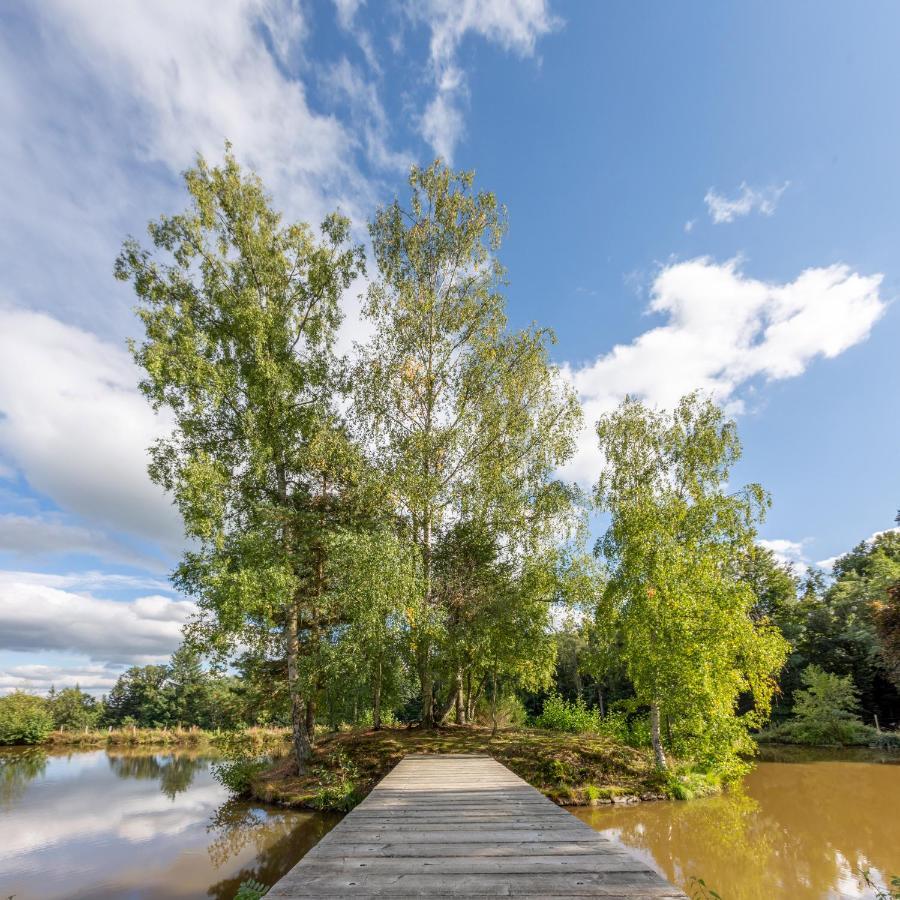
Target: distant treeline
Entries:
(846, 625)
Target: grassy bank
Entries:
(158, 737)
(570, 769)
(797, 734)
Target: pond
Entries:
(133, 824)
(804, 825)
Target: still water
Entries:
(802, 828)
(137, 825)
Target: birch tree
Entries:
(674, 545)
(466, 419)
(240, 312)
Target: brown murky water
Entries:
(137, 825)
(799, 829)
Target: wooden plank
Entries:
(465, 826)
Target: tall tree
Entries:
(674, 545)
(467, 420)
(240, 313)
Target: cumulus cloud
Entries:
(787, 553)
(723, 328)
(516, 26)
(764, 200)
(37, 617)
(77, 428)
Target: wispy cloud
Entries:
(515, 26)
(723, 209)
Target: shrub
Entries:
(242, 760)
(510, 712)
(826, 711)
(574, 718)
(337, 784)
(24, 719)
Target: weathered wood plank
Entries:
(465, 826)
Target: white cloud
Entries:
(37, 617)
(515, 25)
(689, 225)
(723, 329)
(192, 74)
(346, 12)
(77, 428)
(763, 200)
(346, 84)
(787, 553)
(44, 535)
(38, 679)
(87, 580)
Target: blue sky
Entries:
(699, 194)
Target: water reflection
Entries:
(30, 763)
(174, 772)
(801, 831)
(138, 825)
(274, 837)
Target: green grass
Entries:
(571, 769)
(157, 737)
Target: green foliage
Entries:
(242, 759)
(701, 891)
(574, 718)
(468, 422)
(72, 708)
(240, 313)
(674, 550)
(24, 719)
(251, 890)
(338, 788)
(825, 712)
(892, 892)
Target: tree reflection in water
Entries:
(800, 831)
(18, 768)
(279, 841)
(175, 772)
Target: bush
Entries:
(24, 719)
(510, 713)
(242, 760)
(337, 782)
(574, 718)
(826, 711)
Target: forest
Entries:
(380, 536)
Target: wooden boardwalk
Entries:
(463, 825)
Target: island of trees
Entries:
(382, 537)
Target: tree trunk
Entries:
(460, 707)
(376, 699)
(658, 752)
(311, 720)
(299, 733)
(493, 702)
(426, 679)
(426, 718)
(600, 701)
